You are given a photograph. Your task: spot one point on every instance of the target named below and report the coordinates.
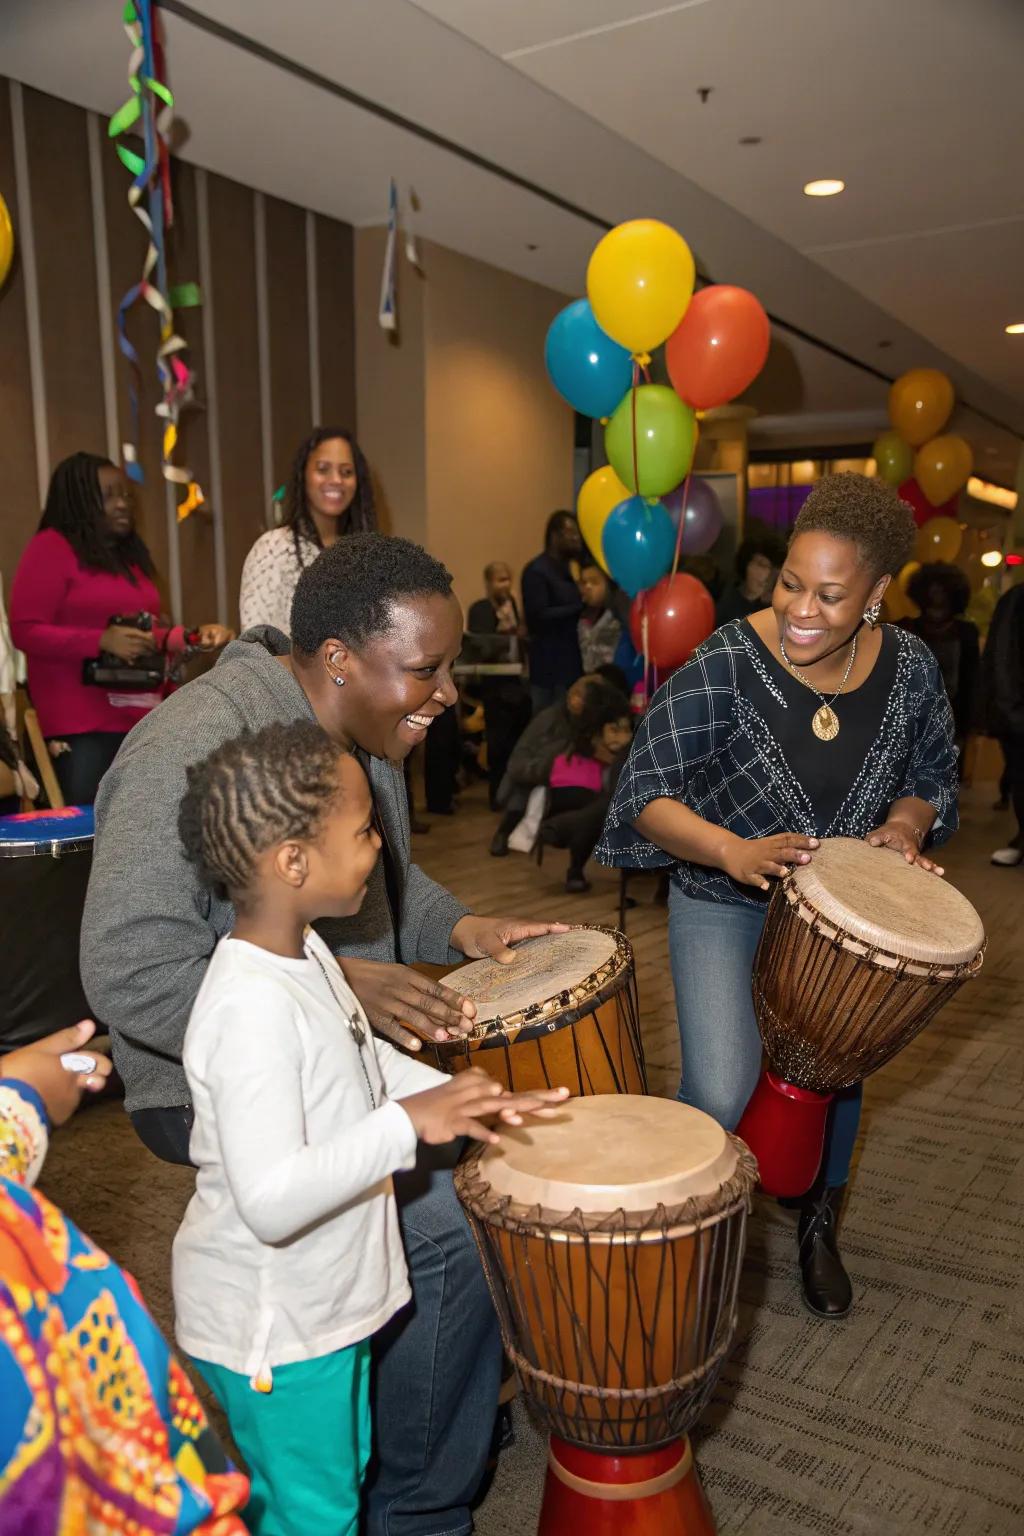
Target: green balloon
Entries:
(894, 458)
(666, 435)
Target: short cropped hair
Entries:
(254, 791)
(349, 592)
(867, 512)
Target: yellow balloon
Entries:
(939, 539)
(639, 281)
(599, 495)
(919, 404)
(903, 579)
(6, 242)
(942, 466)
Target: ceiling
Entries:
(527, 127)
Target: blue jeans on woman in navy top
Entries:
(712, 946)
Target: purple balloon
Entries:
(704, 518)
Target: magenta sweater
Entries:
(58, 612)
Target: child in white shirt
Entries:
(289, 1256)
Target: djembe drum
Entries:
(612, 1238)
(859, 952)
(564, 1012)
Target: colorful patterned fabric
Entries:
(101, 1431)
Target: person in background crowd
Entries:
(85, 568)
(757, 563)
(330, 494)
(506, 700)
(729, 784)
(600, 625)
(289, 1257)
(942, 593)
(582, 777)
(1002, 687)
(375, 629)
(96, 1414)
(530, 761)
(552, 605)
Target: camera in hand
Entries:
(144, 675)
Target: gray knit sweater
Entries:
(150, 928)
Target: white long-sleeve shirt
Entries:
(290, 1246)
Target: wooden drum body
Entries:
(612, 1238)
(859, 952)
(563, 1013)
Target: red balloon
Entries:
(679, 613)
(912, 494)
(718, 347)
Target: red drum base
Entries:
(597, 1493)
(784, 1127)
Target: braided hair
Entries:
(253, 791)
(74, 508)
(359, 517)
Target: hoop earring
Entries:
(871, 615)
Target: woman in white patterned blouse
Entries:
(329, 495)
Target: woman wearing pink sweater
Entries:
(85, 567)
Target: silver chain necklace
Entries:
(355, 1027)
(825, 722)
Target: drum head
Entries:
(875, 896)
(612, 1152)
(49, 832)
(543, 969)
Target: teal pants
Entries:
(306, 1443)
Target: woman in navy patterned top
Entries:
(803, 721)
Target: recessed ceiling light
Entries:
(751, 138)
(885, 343)
(992, 558)
(1017, 329)
(826, 188)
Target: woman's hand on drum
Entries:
(460, 1106)
(40, 1066)
(482, 938)
(755, 860)
(405, 1006)
(903, 838)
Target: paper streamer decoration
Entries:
(387, 311)
(152, 104)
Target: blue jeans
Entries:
(437, 1368)
(712, 946)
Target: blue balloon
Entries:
(639, 542)
(587, 368)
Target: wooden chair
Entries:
(43, 760)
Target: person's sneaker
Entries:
(1007, 856)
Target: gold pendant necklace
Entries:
(825, 721)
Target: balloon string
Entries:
(682, 520)
(636, 469)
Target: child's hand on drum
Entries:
(459, 1107)
(752, 860)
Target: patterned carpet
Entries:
(905, 1419)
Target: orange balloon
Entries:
(919, 404)
(942, 466)
(938, 539)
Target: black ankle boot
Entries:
(826, 1285)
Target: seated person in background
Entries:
(289, 1257)
(757, 566)
(582, 779)
(942, 593)
(73, 1441)
(529, 764)
(600, 624)
(506, 700)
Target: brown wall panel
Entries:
(58, 155)
(127, 241)
(17, 440)
(335, 279)
(291, 410)
(232, 258)
(195, 534)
